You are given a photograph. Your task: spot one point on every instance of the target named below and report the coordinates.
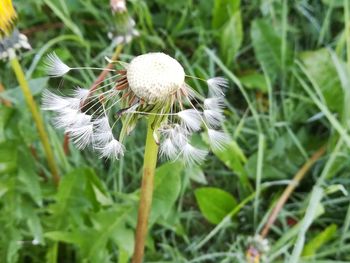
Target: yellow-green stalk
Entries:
(36, 116)
(149, 166)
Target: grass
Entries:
(288, 67)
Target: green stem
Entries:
(149, 166)
(37, 117)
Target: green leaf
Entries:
(255, 81)
(196, 174)
(319, 240)
(214, 203)
(231, 38)
(16, 96)
(233, 157)
(5, 114)
(75, 195)
(8, 157)
(223, 10)
(267, 47)
(321, 69)
(167, 186)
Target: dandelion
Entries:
(10, 38)
(152, 84)
(123, 29)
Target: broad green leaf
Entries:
(334, 3)
(196, 174)
(124, 237)
(255, 81)
(232, 156)
(34, 224)
(267, 47)
(214, 203)
(167, 185)
(223, 10)
(321, 69)
(319, 240)
(231, 38)
(75, 195)
(5, 114)
(16, 96)
(28, 176)
(8, 157)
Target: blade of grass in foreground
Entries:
(311, 211)
(335, 123)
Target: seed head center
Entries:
(154, 77)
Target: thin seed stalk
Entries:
(149, 166)
(36, 116)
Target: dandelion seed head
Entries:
(153, 77)
(151, 85)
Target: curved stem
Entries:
(290, 188)
(149, 165)
(37, 118)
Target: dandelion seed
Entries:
(192, 155)
(191, 119)
(213, 117)
(214, 103)
(217, 139)
(51, 101)
(113, 149)
(81, 135)
(103, 132)
(168, 149)
(54, 66)
(216, 86)
(81, 94)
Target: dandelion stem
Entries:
(37, 118)
(149, 165)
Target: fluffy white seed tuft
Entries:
(54, 66)
(102, 132)
(51, 101)
(192, 155)
(168, 149)
(82, 135)
(214, 117)
(114, 149)
(214, 103)
(191, 119)
(65, 118)
(216, 86)
(217, 139)
(81, 94)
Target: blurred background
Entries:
(287, 112)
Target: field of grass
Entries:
(283, 178)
